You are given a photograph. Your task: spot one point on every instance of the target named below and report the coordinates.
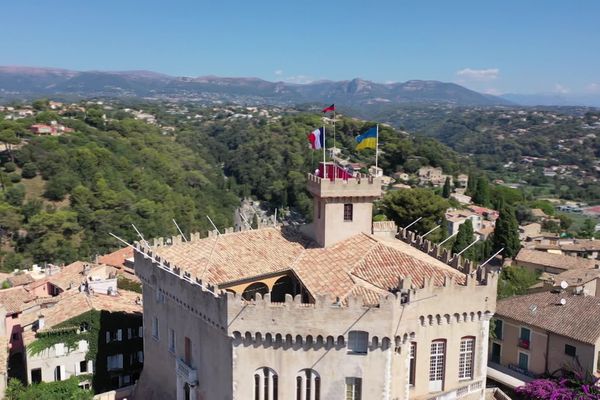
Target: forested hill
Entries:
(99, 179)
(62, 195)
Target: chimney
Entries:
(41, 322)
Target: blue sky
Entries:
(526, 46)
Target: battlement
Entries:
(360, 186)
(444, 255)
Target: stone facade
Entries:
(423, 339)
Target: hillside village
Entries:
(99, 319)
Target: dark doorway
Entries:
(282, 286)
(496, 350)
(253, 289)
(36, 375)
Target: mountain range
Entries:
(30, 82)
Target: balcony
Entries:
(186, 373)
(524, 344)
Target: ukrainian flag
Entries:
(367, 140)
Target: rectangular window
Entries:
(36, 375)
(119, 335)
(114, 362)
(598, 362)
(58, 373)
(353, 388)
(155, 328)
(524, 361)
(172, 340)
(108, 337)
(160, 296)
(465, 361)
(319, 209)
(141, 331)
(570, 350)
(187, 350)
(413, 363)
(524, 338)
(140, 356)
(348, 212)
(358, 342)
(498, 328)
(437, 356)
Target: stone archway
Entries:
(281, 287)
(251, 290)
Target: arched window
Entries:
(308, 385)
(256, 287)
(266, 384)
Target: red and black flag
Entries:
(330, 108)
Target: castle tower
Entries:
(342, 207)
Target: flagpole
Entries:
(324, 166)
(334, 128)
(376, 149)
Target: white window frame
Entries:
(437, 365)
(466, 358)
(353, 388)
(358, 342)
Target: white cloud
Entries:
(593, 88)
(278, 72)
(301, 79)
(470, 74)
(558, 88)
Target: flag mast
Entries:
(376, 149)
(324, 149)
(334, 128)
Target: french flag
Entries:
(316, 139)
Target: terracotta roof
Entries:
(116, 258)
(72, 275)
(577, 319)
(554, 260)
(20, 279)
(362, 264)
(74, 303)
(16, 299)
(576, 277)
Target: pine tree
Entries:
(463, 238)
(447, 189)
(482, 192)
(506, 233)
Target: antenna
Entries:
(213, 224)
(533, 308)
(448, 238)
(412, 223)
(466, 248)
(140, 235)
(179, 229)
(333, 145)
(245, 221)
(430, 231)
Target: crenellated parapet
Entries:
(361, 186)
(438, 252)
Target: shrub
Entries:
(29, 171)
(10, 167)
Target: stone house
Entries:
(542, 333)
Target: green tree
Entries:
(565, 221)
(515, 281)
(471, 184)
(506, 233)
(15, 195)
(587, 230)
(29, 170)
(464, 237)
(406, 205)
(482, 192)
(447, 189)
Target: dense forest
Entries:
(62, 195)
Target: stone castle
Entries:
(342, 309)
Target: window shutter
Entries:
(63, 374)
(129, 333)
(120, 360)
(141, 331)
(141, 356)
(119, 335)
(107, 336)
